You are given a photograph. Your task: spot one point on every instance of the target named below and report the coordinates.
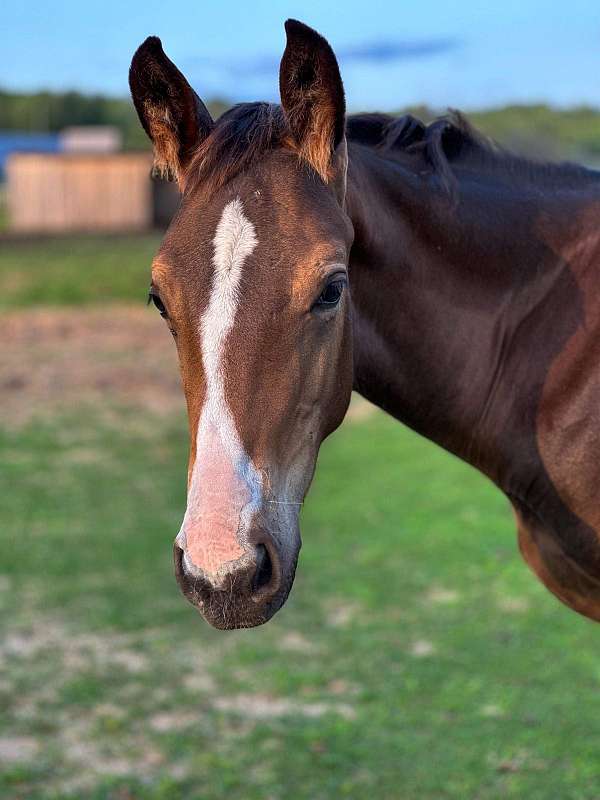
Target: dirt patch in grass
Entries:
(262, 706)
(295, 642)
(340, 613)
(62, 359)
(72, 686)
(17, 749)
(439, 595)
(422, 648)
(63, 679)
(167, 721)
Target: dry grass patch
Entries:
(264, 706)
(62, 359)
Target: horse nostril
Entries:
(264, 568)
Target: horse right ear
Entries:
(172, 114)
(312, 96)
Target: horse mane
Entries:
(439, 143)
(247, 131)
(450, 141)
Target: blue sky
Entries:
(467, 54)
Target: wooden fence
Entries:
(77, 192)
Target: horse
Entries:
(451, 283)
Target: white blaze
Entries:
(234, 240)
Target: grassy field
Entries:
(417, 657)
(75, 271)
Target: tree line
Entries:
(536, 129)
(49, 112)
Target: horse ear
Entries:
(172, 114)
(312, 96)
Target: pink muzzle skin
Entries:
(218, 494)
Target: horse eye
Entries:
(154, 298)
(330, 296)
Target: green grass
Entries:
(416, 658)
(75, 270)
(4, 219)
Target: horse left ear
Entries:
(173, 116)
(312, 97)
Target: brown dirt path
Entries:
(55, 360)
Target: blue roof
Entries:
(25, 142)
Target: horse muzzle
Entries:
(241, 593)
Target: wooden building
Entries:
(61, 192)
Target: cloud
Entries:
(375, 52)
(383, 52)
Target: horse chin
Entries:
(226, 615)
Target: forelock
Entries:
(241, 136)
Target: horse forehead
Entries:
(286, 237)
(265, 244)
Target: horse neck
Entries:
(479, 328)
(448, 300)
